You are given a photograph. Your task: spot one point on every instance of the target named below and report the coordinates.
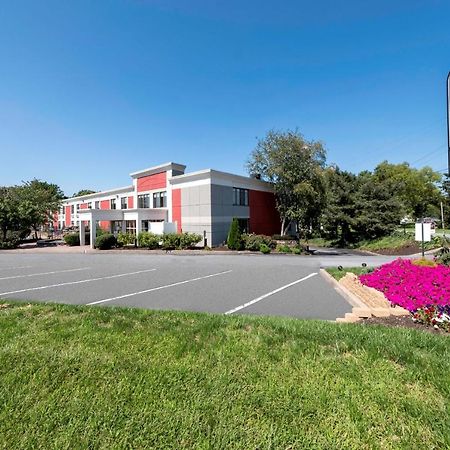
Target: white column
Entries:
(82, 233)
(138, 225)
(93, 233)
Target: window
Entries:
(244, 225)
(113, 203)
(72, 209)
(78, 207)
(144, 201)
(240, 197)
(89, 205)
(160, 199)
(130, 226)
(97, 205)
(123, 203)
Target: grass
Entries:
(338, 274)
(395, 241)
(86, 377)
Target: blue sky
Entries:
(93, 90)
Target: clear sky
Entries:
(93, 90)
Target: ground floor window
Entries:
(116, 226)
(244, 225)
(130, 226)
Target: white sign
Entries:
(426, 232)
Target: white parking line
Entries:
(158, 288)
(282, 288)
(75, 282)
(43, 273)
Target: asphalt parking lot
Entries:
(281, 285)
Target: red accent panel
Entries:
(264, 217)
(105, 224)
(176, 208)
(130, 202)
(83, 206)
(68, 213)
(156, 181)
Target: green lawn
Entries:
(87, 377)
(338, 274)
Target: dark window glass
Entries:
(160, 199)
(113, 203)
(240, 197)
(144, 201)
(123, 203)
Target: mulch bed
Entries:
(406, 250)
(401, 322)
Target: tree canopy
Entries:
(295, 166)
(82, 192)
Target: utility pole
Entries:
(442, 218)
(448, 124)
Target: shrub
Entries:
(126, 238)
(188, 240)
(72, 239)
(234, 240)
(443, 259)
(297, 250)
(7, 245)
(284, 249)
(253, 241)
(149, 240)
(105, 241)
(12, 239)
(284, 237)
(423, 262)
(263, 248)
(171, 241)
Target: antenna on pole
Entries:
(448, 124)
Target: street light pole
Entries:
(448, 124)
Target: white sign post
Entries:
(423, 234)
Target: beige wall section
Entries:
(196, 210)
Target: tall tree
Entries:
(38, 201)
(83, 192)
(417, 189)
(377, 209)
(295, 166)
(339, 215)
(9, 211)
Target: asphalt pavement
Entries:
(279, 285)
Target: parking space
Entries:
(231, 284)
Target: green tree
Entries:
(377, 209)
(339, 214)
(9, 211)
(234, 240)
(295, 167)
(83, 192)
(416, 189)
(38, 200)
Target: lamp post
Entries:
(448, 124)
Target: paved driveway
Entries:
(282, 285)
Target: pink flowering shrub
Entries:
(422, 290)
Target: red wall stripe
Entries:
(150, 182)
(176, 208)
(130, 202)
(68, 212)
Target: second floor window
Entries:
(72, 209)
(113, 203)
(97, 205)
(144, 201)
(240, 197)
(160, 200)
(123, 203)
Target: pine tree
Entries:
(234, 241)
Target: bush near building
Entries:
(72, 239)
(126, 239)
(253, 241)
(234, 240)
(149, 240)
(105, 241)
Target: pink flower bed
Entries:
(422, 290)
